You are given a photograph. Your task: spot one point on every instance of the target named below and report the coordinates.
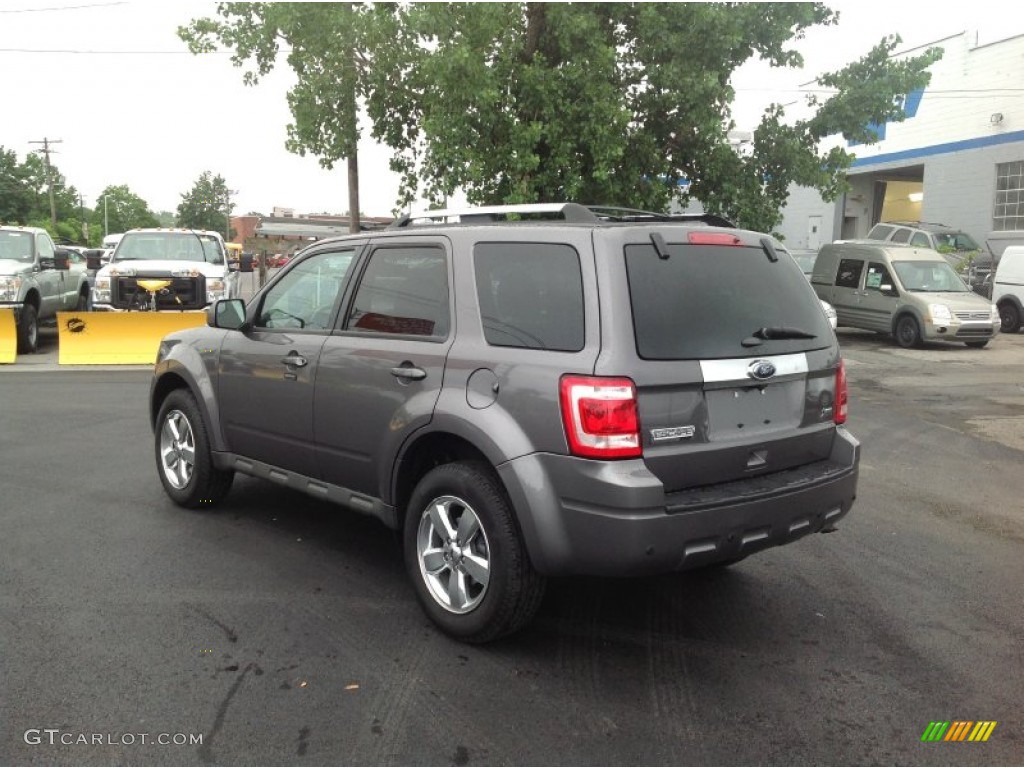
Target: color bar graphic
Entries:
(958, 730)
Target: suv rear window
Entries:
(704, 300)
(530, 294)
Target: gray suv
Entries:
(524, 393)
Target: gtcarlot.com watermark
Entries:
(55, 736)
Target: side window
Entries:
(879, 232)
(877, 276)
(304, 298)
(44, 247)
(404, 291)
(901, 236)
(530, 295)
(920, 239)
(848, 275)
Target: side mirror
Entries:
(888, 290)
(61, 260)
(227, 313)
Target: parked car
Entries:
(912, 293)
(972, 262)
(592, 393)
(37, 282)
(1008, 289)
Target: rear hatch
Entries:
(735, 363)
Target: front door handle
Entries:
(295, 360)
(409, 373)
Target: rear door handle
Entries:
(295, 360)
(408, 372)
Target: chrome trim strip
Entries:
(718, 371)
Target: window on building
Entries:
(1009, 208)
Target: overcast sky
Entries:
(113, 82)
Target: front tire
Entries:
(1009, 318)
(28, 330)
(977, 344)
(908, 333)
(465, 555)
(183, 455)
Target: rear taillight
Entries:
(842, 395)
(600, 417)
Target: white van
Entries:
(1008, 289)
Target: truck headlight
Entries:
(9, 288)
(940, 314)
(101, 291)
(214, 289)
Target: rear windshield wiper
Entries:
(782, 332)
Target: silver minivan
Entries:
(907, 291)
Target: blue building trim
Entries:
(939, 149)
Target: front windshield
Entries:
(16, 246)
(169, 246)
(931, 276)
(958, 241)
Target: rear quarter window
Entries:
(703, 301)
(879, 232)
(530, 295)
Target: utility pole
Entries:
(227, 213)
(49, 177)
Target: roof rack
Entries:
(561, 212)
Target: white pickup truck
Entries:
(193, 263)
(37, 281)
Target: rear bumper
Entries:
(614, 518)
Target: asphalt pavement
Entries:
(280, 630)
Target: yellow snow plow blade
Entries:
(8, 336)
(117, 338)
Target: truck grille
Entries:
(182, 293)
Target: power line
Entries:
(62, 8)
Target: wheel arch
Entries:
(422, 454)
(32, 297)
(179, 377)
(907, 311)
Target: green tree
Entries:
(207, 205)
(327, 51)
(17, 198)
(118, 209)
(595, 102)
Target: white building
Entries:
(958, 158)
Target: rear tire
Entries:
(1009, 318)
(28, 330)
(465, 555)
(908, 333)
(184, 460)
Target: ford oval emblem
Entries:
(761, 369)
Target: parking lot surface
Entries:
(283, 631)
